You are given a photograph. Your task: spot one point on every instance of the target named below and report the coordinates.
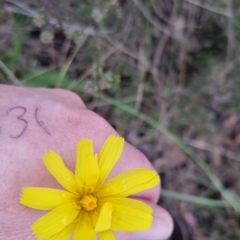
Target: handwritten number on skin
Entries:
(22, 111)
(20, 118)
(41, 123)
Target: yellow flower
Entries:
(91, 204)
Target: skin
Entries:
(33, 121)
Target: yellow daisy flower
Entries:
(91, 204)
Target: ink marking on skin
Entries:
(20, 117)
(41, 123)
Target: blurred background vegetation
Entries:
(164, 73)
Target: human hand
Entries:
(33, 121)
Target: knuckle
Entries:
(69, 95)
(80, 123)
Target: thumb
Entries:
(162, 226)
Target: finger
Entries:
(162, 226)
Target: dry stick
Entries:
(156, 24)
(194, 97)
(230, 32)
(23, 9)
(142, 67)
(153, 21)
(208, 7)
(154, 71)
(159, 51)
(230, 66)
(160, 14)
(128, 52)
(163, 41)
(184, 45)
(211, 148)
(10, 75)
(92, 68)
(164, 18)
(157, 59)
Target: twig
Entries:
(157, 59)
(194, 97)
(160, 14)
(230, 32)
(211, 148)
(92, 68)
(164, 18)
(165, 30)
(142, 67)
(153, 21)
(23, 9)
(209, 8)
(129, 52)
(163, 41)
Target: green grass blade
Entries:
(193, 199)
(207, 170)
(69, 61)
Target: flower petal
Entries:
(94, 214)
(128, 183)
(84, 151)
(92, 172)
(45, 198)
(55, 221)
(130, 215)
(105, 217)
(128, 202)
(60, 172)
(107, 235)
(66, 233)
(84, 229)
(109, 155)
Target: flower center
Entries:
(88, 202)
